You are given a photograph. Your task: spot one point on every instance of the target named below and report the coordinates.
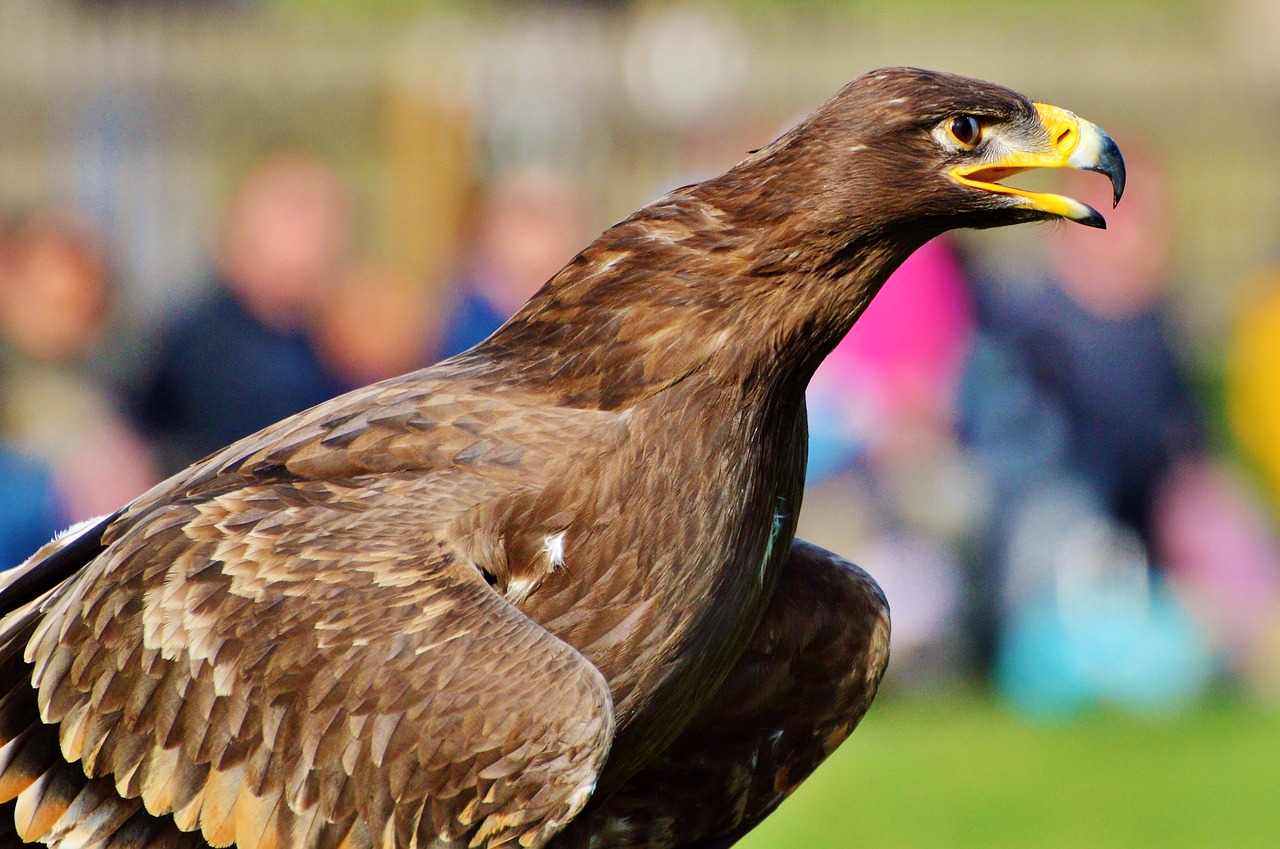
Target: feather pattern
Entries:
(804, 682)
(534, 586)
(190, 681)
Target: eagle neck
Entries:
(691, 286)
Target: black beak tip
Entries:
(1093, 219)
(1111, 163)
(1117, 184)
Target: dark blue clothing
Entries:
(1070, 416)
(220, 374)
(29, 516)
(1054, 390)
(470, 322)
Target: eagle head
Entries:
(905, 147)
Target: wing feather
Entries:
(806, 679)
(296, 664)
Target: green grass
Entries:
(958, 771)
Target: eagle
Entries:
(545, 593)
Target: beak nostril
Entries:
(1064, 137)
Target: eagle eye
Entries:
(966, 131)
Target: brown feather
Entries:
(804, 682)
(445, 609)
(43, 801)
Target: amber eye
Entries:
(966, 130)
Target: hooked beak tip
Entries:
(1106, 159)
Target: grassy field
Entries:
(959, 771)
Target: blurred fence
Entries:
(145, 113)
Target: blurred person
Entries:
(1091, 341)
(1073, 382)
(243, 356)
(888, 485)
(54, 399)
(54, 297)
(29, 511)
(376, 323)
(1077, 409)
(526, 225)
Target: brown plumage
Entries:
(550, 582)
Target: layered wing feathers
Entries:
(279, 661)
(804, 682)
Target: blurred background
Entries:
(1058, 449)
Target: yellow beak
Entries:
(1072, 143)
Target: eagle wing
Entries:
(808, 675)
(295, 663)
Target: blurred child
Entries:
(1079, 411)
(527, 225)
(54, 403)
(244, 356)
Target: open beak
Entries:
(1072, 143)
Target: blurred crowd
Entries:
(288, 315)
(1025, 460)
(1029, 466)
